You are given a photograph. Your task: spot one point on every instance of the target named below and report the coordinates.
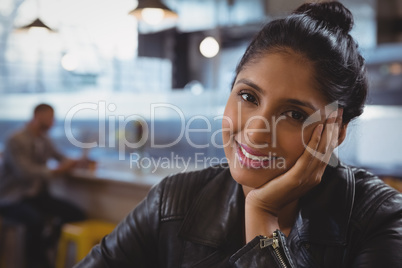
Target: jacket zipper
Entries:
(274, 242)
(275, 245)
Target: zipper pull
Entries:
(265, 242)
(275, 241)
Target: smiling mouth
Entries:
(247, 155)
(254, 157)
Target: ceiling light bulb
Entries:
(152, 16)
(69, 62)
(209, 47)
(38, 31)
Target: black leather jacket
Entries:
(351, 219)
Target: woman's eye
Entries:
(299, 116)
(248, 97)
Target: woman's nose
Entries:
(258, 132)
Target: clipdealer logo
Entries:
(107, 125)
(108, 120)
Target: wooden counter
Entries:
(108, 194)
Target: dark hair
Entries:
(320, 33)
(42, 107)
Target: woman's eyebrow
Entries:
(251, 84)
(302, 103)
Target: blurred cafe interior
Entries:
(160, 81)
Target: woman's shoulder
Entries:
(370, 188)
(373, 199)
(364, 181)
(375, 223)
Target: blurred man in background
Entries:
(24, 195)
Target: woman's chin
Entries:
(252, 178)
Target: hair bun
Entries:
(334, 14)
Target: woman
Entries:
(282, 201)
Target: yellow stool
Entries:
(85, 234)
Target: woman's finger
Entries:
(327, 133)
(326, 146)
(334, 141)
(309, 153)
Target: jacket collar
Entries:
(216, 213)
(325, 212)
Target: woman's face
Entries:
(265, 115)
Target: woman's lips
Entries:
(252, 159)
(253, 156)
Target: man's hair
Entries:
(42, 107)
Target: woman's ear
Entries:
(342, 133)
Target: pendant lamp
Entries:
(37, 23)
(153, 12)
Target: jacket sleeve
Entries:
(133, 243)
(264, 252)
(380, 244)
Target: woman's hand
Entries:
(264, 204)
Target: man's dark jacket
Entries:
(196, 219)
